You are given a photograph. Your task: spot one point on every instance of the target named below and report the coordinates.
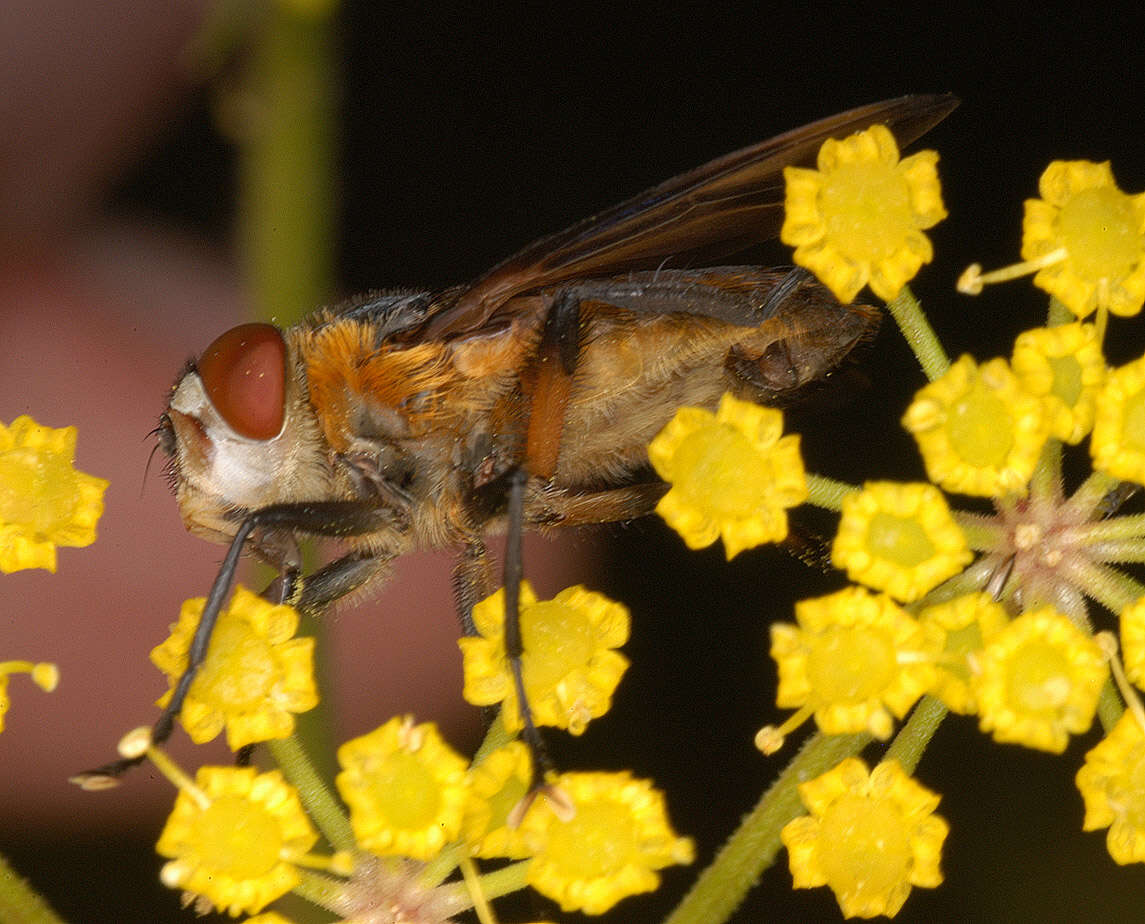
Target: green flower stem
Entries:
(1059, 313)
(288, 163)
(19, 902)
(1109, 707)
(1113, 589)
(320, 889)
(324, 810)
(981, 532)
(495, 737)
(919, 335)
(915, 735)
(1091, 493)
(827, 492)
(1046, 480)
(1118, 552)
(721, 887)
(500, 882)
(972, 579)
(1129, 527)
(437, 870)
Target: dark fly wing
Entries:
(723, 206)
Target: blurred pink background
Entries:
(97, 315)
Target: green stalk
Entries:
(288, 189)
(721, 887)
(19, 902)
(324, 810)
(918, 333)
(500, 882)
(827, 492)
(911, 741)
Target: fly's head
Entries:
(240, 433)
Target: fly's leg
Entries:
(340, 577)
(547, 389)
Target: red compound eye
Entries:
(244, 374)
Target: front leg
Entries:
(341, 519)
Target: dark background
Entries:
(469, 132)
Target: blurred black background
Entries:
(468, 131)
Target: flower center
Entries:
(38, 490)
(238, 838)
(596, 842)
(979, 429)
(239, 671)
(899, 539)
(716, 468)
(1098, 229)
(851, 664)
(1039, 678)
(870, 850)
(866, 206)
(557, 639)
(404, 791)
(1067, 379)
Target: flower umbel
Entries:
(859, 218)
(405, 788)
(44, 501)
(855, 659)
(609, 847)
(1038, 681)
(569, 665)
(978, 431)
(232, 838)
(899, 538)
(733, 474)
(256, 675)
(870, 837)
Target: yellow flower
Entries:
(569, 667)
(44, 501)
(1110, 784)
(733, 474)
(859, 217)
(268, 917)
(1063, 366)
(854, 659)
(978, 432)
(899, 538)
(1118, 442)
(234, 838)
(608, 846)
(405, 788)
(255, 676)
(958, 629)
(1091, 237)
(870, 837)
(494, 788)
(45, 675)
(1133, 641)
(1038, 681)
